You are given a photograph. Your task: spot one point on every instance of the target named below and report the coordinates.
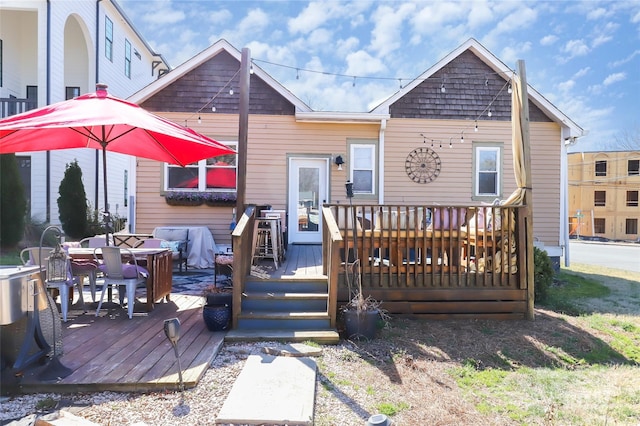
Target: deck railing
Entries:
(12, 106)
(242, 240)
(435, 259)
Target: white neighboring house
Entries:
(58, 49)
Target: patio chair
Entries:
(127, 275)
(89, 268)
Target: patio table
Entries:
(159, 265)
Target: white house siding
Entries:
(23, 28)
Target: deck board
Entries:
(301, 261)
(112, 352)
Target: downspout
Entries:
(564, 198)
(48, 82)
(383, 127)
(97, 153)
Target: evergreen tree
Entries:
(13, 203)
(72, 202)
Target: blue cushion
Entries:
(173, 245)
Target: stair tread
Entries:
(329, 336)
(284, 295)
(283, 314)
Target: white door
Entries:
(308, 183)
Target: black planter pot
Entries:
(219, 298)
(361, 325)
(216, 317)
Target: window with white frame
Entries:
(363, 167)
(487, 170)
(108, 38)
(127, 58)
(213, 174)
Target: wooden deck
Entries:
(302, 261)
(112, 352)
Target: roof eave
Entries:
(340, 117)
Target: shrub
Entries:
(543, 274)
(13, 203)
(72, 202)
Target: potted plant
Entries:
(361, 314)
(216, 311)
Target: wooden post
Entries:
(243, 124)
(528, 195)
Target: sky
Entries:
(582, 56)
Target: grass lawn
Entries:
(577, 363)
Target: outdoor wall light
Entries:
(339, 161)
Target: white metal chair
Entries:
(121, 274)
(88, 269)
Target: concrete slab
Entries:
(272, 390)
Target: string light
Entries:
(400, 81)
(354, 81)
(510, 89)
(251, 69)
(487, 110)
(484, 75)
(199, 119)
(231, 91)
(213, 108)
(442, 88)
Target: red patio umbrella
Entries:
(101, 121)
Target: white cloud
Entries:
(255, 21)
(164, 16)
(548, 40)
(566, 86)
(362, 63)
(596, 13)
(312, 17)
(512, 54)
(431, 18)
(614, 78)
(387, 33)
(601, 39)
(581, 73)
(575, 48)
(625, 60)
(479, 14)
(221, 16)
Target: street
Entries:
(625, 256)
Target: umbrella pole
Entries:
(107, 215)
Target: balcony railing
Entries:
(13, 106)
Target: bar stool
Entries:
(265, 240)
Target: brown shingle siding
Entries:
(194, 91)
(471, 86)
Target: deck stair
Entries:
(284, 310)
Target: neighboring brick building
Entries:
(603, 194)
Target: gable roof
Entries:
(570, 128)
(202, 57)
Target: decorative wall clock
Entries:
(423, 165)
